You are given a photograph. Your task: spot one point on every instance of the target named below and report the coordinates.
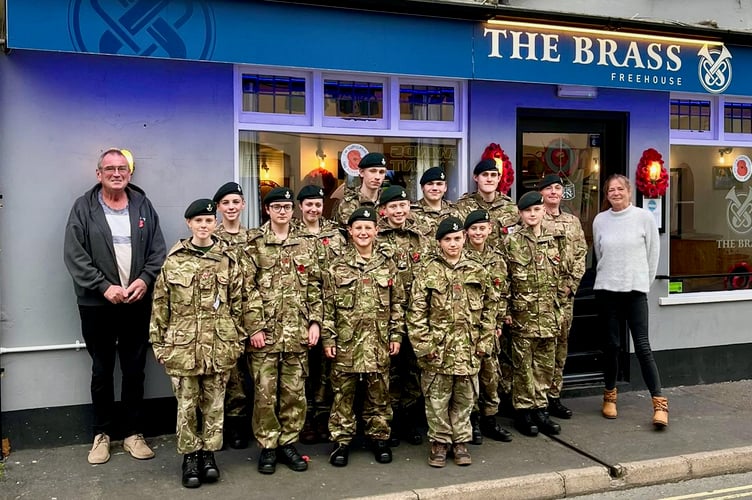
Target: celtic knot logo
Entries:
(739, 212)
(179, 29)
(714, 68)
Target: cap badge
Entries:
(287, 194)
(404, 194)
(366, 213)
(240, 189)
(455, 227)
(383, 161)
(442, 176)
(321, 192)
(209, 207)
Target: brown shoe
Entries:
(137, 447)
(437, 457)
(100, 450)
(461, 455)
(660, 412)
(609, 403)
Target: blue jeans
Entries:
(613, 309)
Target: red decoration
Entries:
(651, 188)
(416, 257)
(390, 282)
(494, 152)
(325, 241)
(301, 268)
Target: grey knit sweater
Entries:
(627, 247)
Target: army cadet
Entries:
(283, 266)
(500, 207)
(330, 243)
(230, 204)
(372, 171)
(432, 208)
(196, 333)
(573, 267)
(400, 233)
(450, 324)
(483, 419)
(364, 324)
(533, 259)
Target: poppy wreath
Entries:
(649, 188)
(495, 153)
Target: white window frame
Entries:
(273, 118)
(356, 123)
(454, 125)
(736, 137)
(698, 135)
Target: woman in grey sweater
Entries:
(626, 244)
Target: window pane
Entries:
(355, 100)
(689, 114)
(426, 102)
(711, 228)
(273, 94)
(738, 117)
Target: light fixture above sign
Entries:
(577, 91)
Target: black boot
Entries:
(236, 429)
(491, 429)
(545, 424)
(191, 478)
(506, 408)
(339, 455)
(267, 461)
(556, 409)
(209, 469)
(475, 425)
(381, 451)
(290, 456)
(523, 422)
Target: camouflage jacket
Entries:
(288, 279)
(450, 315)
(351, 200)
(502, 211)
(329, 240)
(535, 277)
(573, 260)
(363, 310)
(406, 243)
(231, 240)
(493, 261)
(197, 312)
(428, 219)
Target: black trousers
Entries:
(122, 329)
(613, 309)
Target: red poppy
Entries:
(325, 241)
(506, 172)
(390, 282)
(646, 186)
(301, 268)
(504, 230)
(497, 282)
(416, 257)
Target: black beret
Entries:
(393, 193)
(529, 199)
(485, 166)
(548, 180)
(372, 160)
(310, 191)
(448, 225)
(362, 213)
(228, 188)
(476, 216)
(204, 206)
(278, 194)
(432, 174)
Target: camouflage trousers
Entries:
(488, 383)
(562, 347)
(236, 400)
(533, 371)
(377, 413)
(404, 377)
(506, 367)
(449, 402)
(279, 405)
(205, 393)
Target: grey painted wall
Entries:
(58, 112)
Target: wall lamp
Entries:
(723, 152)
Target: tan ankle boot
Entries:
(660, 412)
(609, 403)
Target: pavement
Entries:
(709, 434)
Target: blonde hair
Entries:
(622, 179)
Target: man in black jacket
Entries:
(114, 250)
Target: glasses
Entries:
(111, 169)
(280, 208)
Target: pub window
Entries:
(426, 102)
(354, 100)
(274, 94)
(690, 115)
(737, 118)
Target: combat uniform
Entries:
(427, 218)
(572, 270)
(288, 279)
(409, 246)
(363, 313)
(535, 277)
(351, 200)
(503, 212)
(450, 316)
(197, 332)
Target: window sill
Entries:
(705, 297)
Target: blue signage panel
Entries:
(338, 39)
